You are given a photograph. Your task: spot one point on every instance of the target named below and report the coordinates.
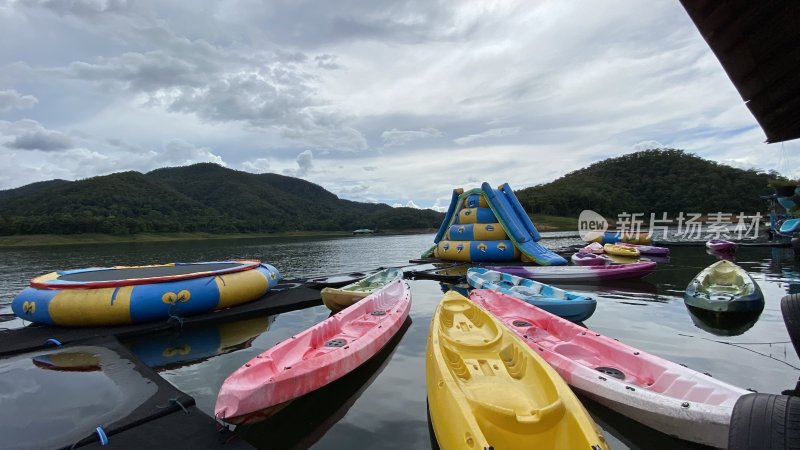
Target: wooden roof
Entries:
(758, 44)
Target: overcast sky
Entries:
(389, 101)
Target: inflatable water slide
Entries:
(490, 225)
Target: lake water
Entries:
(384, 404)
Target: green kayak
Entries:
(724, 287)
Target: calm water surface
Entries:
(383, 404)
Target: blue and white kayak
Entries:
(568, 305)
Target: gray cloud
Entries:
(79, 7)
(259, 89)
(46, 141)
(144, 72)
(307, 24)
(11, 99)
(138, 85)
(327, 62)
(29, 134)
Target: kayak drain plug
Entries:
(520, 323)
(336, 343)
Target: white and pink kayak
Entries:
(661, 394)
(317, 356)
(555, 274)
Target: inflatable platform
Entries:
(102, 296)
(490, 225)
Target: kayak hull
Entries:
(337, 299)
(658, 393)
(315, 357)
(637, 269)
(724, 287)
(568, 305)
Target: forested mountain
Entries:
(201, 197)
(651, 181)
(210, 198)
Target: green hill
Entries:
(651, 181)
(198, 198)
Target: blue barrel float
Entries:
(101, 296)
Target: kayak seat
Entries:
(573, 351)
(526, 291)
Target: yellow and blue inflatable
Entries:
(490, 225)
(124, 295)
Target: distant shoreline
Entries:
(41, 240)
(542, 222)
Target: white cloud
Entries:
(647, 145)
(305, 162)
(138, 85)
(409, 204)
(395, 137)
(258, 165)
(494, 132)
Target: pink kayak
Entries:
(647, 249)
(317, 356)
(721, 245)
(587, 259)
(580, 273)
(661, 394)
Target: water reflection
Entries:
(461, 288)
(727, 256)
(390, 413)
(51, 399)
(303, 421)
(68, 362)
(184, 347)
(723, 324)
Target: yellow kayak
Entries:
(621, 250)
(339, 299)
(488, 389)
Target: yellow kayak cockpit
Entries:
(486, 388)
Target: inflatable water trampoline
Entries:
(100, 296)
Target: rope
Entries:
(174, 317)
(735, 344)
(101, 436)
